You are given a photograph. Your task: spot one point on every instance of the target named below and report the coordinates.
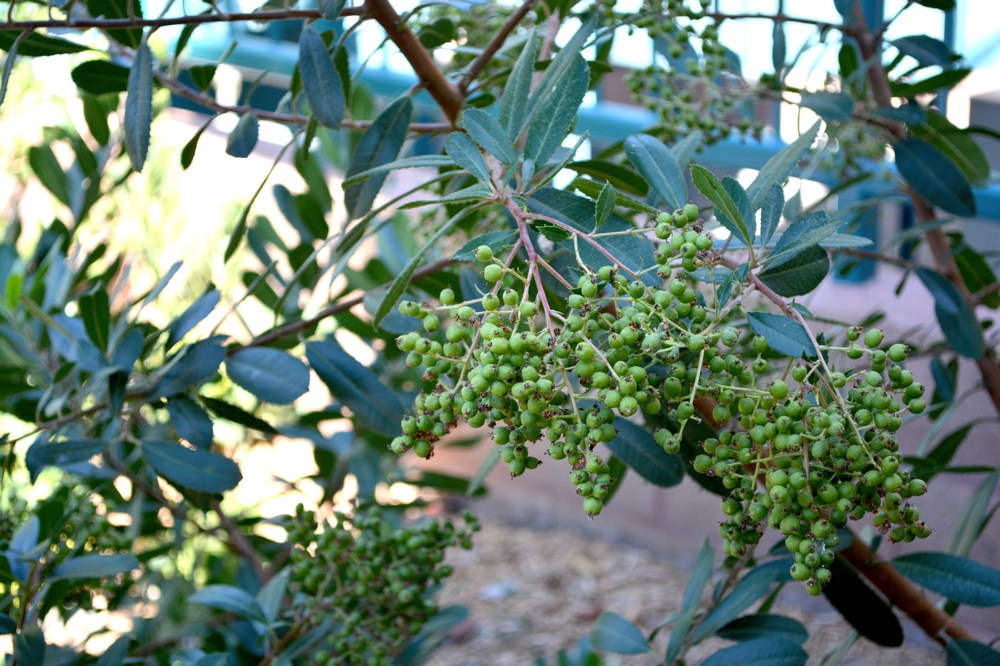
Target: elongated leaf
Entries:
(198, 470)
(778, 46)
(270, 596)
(861, 606)
(46, 168)
(402, 281)
(243, 138)
(926, 50)
(518, 88)
(190, 421)
(330, 9)
(963, 652)
(550, 125)
(194, 315)
(659, 167)
(742, 203)
(489, 134)
(752, 587)
(270, 374)
(700, 576)
(636, 447)
(320, 80)
(760, 652)
(973, 517)
(99, 77)
(139, 106)
(94, 566)
(726, 210)
(196, 363)
(765, 625)
(564, 60)
(485, 467)
(119, 9)
(778, 168)
(230, 600)
(945, 79)
(414, 162)
(830, 106)
(685, 148)
(934, 176)
(235, 414)
(63, 453)
(802, 273)
(605, 206)
(379, 145)
(614, 633)
(770, 213)
(807, 232)
(464, 152)
(617, 175)
(957, 320)
(357, 388)
(38, 44)
(191, 147)
(95, 311)
(957, 578)
(785, 336)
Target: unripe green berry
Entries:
(484, 253)
(873, 338)
(493, 273)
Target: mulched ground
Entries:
(533, 591)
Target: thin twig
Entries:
(137, 22)
(495, 44)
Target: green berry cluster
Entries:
(372, 579)
(802, 448)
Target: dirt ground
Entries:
(532, 591)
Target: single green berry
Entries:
(493, 273)
(873, 338)
(484, 253)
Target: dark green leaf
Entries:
(270, 596)
(119, 9)
(700, 576)
(139, 106)
(243, 138)
(743, 205)
(198, 470)
(945, 79)
(726, 210)
(974, 516)
(95, 114)
(189, 149)
(62, 453)
(926, 50)
(190, 421)
(202, 75)
(193, 365)
(934, 176)
(957, 578)
(491, 137)
(830, 106)
(555, 73)
(37, 44)
(320, 80)
(436, 33)
(95, 311)
(498, 241)
(937, 4)
(617, 175)
(7, 624)
(765, 625)
(963, 652)
(380, 144)
(636, 447)
(605, 206)
(778, 46)
(556, 113)
(778, 168)
(94, 566)
(330, 9)
(99, 77)
(518, 88)
(194, 315)
(236, 415)
(29, 645)
(614, 633)
(115, 654)
(270, 374)
(357, 388)
(229, 599)
(807, 232)
(800, 274)
(415, 162)
(760, 652)
(46, 168)
(770, 213)
(659, 167)
(785, 336)
(447, 483)
(976, 272)
(752, 587)
(958, 145)
(956, 319)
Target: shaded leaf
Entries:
(487, 132)
(191, 317)
(636, 447)
(780, 166)
(139, 106)
(99, 77)
(518, 88)
(926, 50)
(659, 167)
(605, 206)
(830, 106)
(320, 80)
(195, 469)
(957, 320)
(235, 414)
(414, 162)
(802, 273)
(94, 566)
(270, 374)
(194, 364)
(380, 144)
(785, 336)
(243, 138)
(752, 587)
(614, 633)
(229, 599)
(330, 9)
(191, 421)
(945, 79)
(557, 111)
(726, 210)
(961, 652)
(38, 44)
(772, 205)
(63, 453)
(465, 153)
(764, 625)
(934, 176)
(957, 578)
(760, 652)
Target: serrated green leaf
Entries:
(772, 205)
(94, 566)
(613, 633)
(830, 106)
(518, 88)
(957, 578)
(659, 167)
(379, 145)
(489, 134)
(760, 652)
(934, 176)
(270, 374)
(957, 320)
(139, 106)
(802, 273)
(726, 210)
(550, 125)
(229, 599)
(203, 471)
(785, 336)
(38, 44)
(235, 414)
(243, 138)
(357, 388)
(605, 206)
(778, 168)
(807, 232)
(320, 80)
(555, 72)
(99, 77)
(636, 447)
